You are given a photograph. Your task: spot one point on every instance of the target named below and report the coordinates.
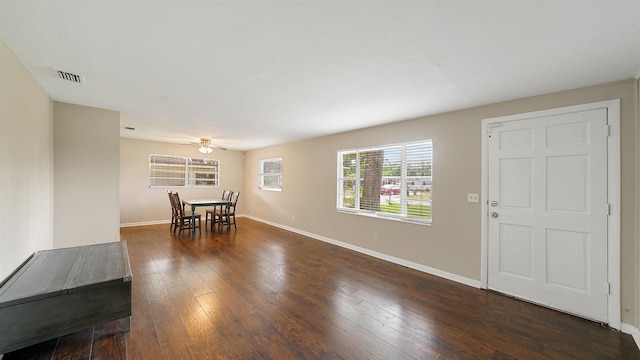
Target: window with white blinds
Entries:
(174, 171)
(387, 181)
(270, 171)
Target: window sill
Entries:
(385, 217)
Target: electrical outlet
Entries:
(472, 198)
(376, 237)
(294, 218)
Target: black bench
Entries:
(61, 291)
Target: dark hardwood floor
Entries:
(265, 293)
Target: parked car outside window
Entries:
(390, 189)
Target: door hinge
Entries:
(608, 288)
(608, 209)
(607, 130)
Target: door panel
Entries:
(567, 185)
(516, 251)
(547, 193)
(516, 180)
(567, 258)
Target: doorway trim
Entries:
(613, 194)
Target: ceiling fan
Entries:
(206, 146)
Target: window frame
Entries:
(188, 168)
(262, 174)
(420, 214)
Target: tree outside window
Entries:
(387, 181)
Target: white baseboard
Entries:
(156, 222)
(633, 331)
(393, 259)
(144, 223)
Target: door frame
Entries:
(613, 194)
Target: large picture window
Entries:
(387, 181)
(172, 171)
(270, 174)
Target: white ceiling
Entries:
(249, 74)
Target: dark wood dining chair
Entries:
(221, 216)
(174, 218)
(183, 218)
(226, 195)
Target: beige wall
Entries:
(26, 163)
(452, 243)
(87, 175)
(140, 204)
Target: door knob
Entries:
(494, 214)
(494, 203)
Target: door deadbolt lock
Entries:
(494, 214)
(494, 203)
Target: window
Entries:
(387, 181)
(270, 174)
(170, 171)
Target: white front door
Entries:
(548, 211)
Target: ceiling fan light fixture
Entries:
(205, 146)
(205, 150)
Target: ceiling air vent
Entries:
(64, 75)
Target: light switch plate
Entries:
(472, 198)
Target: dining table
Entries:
(194, 203)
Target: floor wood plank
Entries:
(260, 292)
